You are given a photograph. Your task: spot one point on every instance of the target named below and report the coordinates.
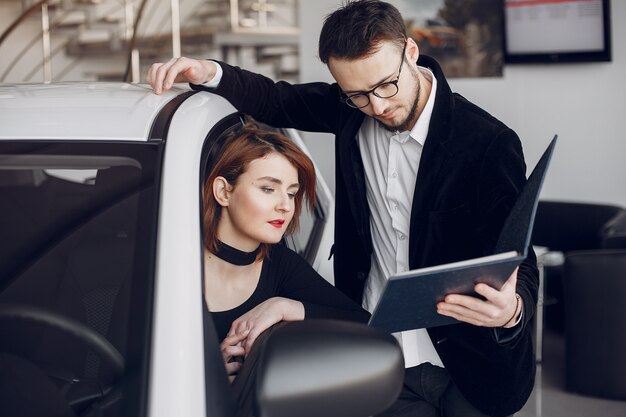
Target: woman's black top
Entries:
(287, 274)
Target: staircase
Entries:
(92, 39)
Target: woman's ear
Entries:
(221, 191)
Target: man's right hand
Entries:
(161, 76)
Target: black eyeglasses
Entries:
(387, 89)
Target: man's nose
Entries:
(378, 105)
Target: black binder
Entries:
(409, 299)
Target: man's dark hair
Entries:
(356, 30)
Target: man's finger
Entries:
(151, 73)
(160, 74)
(485, 316)
(466, 301)
(179, 66)
(490, 293)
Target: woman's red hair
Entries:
(242, 147)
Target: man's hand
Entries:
(500, 309)
(264, 316)
(161, 76)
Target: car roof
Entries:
(80, 110)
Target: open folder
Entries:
(409, 299)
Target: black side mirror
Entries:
(327, 368)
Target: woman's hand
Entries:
(499, 309)
(232, 348)
(264, 316)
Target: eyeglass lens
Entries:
(385, 90)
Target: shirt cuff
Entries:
(215, 82)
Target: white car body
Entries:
(116, 113)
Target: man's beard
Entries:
(406, 123)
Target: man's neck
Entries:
(425, 86)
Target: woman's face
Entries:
(260, 206)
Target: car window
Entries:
(305, 241)
(78, 229)
(302, 236)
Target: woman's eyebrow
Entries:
(270, 179)
(276, 181)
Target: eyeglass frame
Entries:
(347, 99)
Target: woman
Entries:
(252, 198)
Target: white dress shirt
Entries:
(391, 161)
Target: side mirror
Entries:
(327, 368)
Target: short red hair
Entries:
(241, 147)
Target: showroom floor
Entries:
(550, 399)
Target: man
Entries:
(423, 177)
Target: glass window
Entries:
(78, 230)
(306, 240)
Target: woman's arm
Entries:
(297, 280)
(271, 311)
(300, 293)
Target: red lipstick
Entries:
(278, 223)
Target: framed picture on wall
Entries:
(544, 31)
(465, 36)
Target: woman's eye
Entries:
(291, 195)
(267, 189)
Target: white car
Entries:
(101, 268)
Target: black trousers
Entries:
(428, 391)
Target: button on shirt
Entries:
(391, 161)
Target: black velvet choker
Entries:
(235, 256)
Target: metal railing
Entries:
(136, 13)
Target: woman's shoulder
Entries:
(281, 252)
(282, 258)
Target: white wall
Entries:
(582, 103)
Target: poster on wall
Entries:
(464, 36)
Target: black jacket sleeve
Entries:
(312, 107)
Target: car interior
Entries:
(75, 283)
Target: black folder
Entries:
(409, 299)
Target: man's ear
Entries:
(412, 50)
(221, 191)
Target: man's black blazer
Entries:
(471, 171)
